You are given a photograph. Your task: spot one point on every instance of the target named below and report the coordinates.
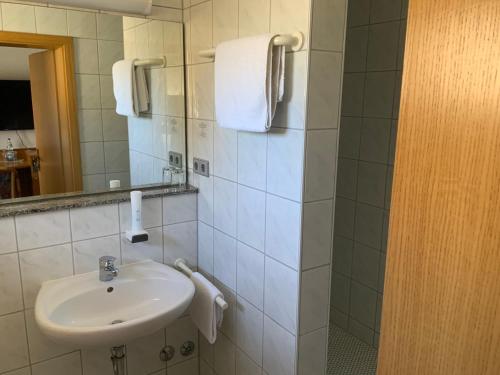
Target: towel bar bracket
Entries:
(181, 265)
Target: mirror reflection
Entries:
(63, 128)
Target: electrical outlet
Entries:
(201, 167)
(175, 159)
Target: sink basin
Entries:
(82, 311)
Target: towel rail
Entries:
(181, 265)
(152, 62)
(295, 40)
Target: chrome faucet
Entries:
(107, 269)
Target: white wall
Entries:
(266, 213)
(19, 139)
(14, 63)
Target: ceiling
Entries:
(14, 63)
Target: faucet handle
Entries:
(107, 260)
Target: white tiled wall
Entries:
(161, 130)
(98, 43)
(38, 247)
(266, 212)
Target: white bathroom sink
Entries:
(81, 310)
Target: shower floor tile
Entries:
(349, 356)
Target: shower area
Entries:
(370, 105)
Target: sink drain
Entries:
(118, 321)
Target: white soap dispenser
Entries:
(137, 232)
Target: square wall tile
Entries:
(244, 365)
(225, 153)
(249, 330)
(252, 159)
(253, 17)
(324, 89)
(8, 235)
(142, 354)
(13, 346)
(385, 10)
(340, 292)
(342, 255)
(151, 249)
(314, 299)
(329, 24)
(363, 304)
(312, 352)
(42, 348)
(10, 281)
(178, 333)
(205, 249)
(285, 150)
(18, 17)
(281, 294)
(225, 254)
(90, 124)
(371, 183)
(92, 157)
(82, 24)
(369, 222)
(224, 356)
(51, 21)
(201, 30)
(283, 230)
(91, 222)
(353, 94)
(116, 156)
(41, 265)
(114, 126)
(86, 253)
(43, 229)
(347, 178)
(251, 216)
(250, 275)
(345, 210)
(356, 46)
(383, 46)
(225, 205)
(180, 241)
(109, 27)
(317, 233)
(109, 53)
(179, 208)
(359, 12)
(375, 139)
(321, 164)
(67, 364)
(202, 90)
(151, 213)
(379, 94)
(365, 265)
(88, 91)
(86, 55)
(225, 20)
(279, 349)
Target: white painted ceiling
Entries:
(14, 63)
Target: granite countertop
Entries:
(77, 200)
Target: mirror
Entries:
(60, 131)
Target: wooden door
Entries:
(441, 313)
(46, 117)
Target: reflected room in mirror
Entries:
(71, 123)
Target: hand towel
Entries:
(129, 88)
(204, 311)
(249, 81)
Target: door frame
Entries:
(66, 97)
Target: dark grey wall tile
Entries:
(340, 292)
(363, 304)
(362, 332)
(371, 183)
(379, 94)
(368, 225)
(347, 175)
(401, 45)
(350, 134)
(378, 317)
(352, 94)
(385, 230)
(358, 12)
(365, 265)
(381, 275)
(344, 217)
(388, 187)
(392, 143)
(375, 139)
(342, 255)
(385, 10)
(356, 49)
(383, 43)
(397, 95)
(339, 318)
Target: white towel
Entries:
(249, 81)
(204, 311)
(129, 88)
